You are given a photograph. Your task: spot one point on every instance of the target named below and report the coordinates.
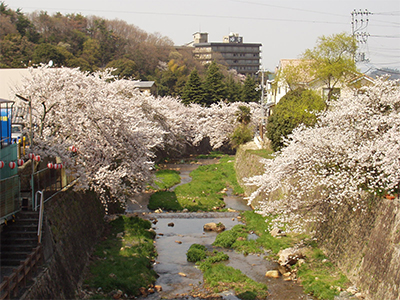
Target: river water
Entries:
(176, 232)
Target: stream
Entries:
(177, 231)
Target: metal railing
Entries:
(48, 181)
(41, 211)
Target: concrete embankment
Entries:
(73, 224)
(365, 245)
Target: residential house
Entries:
(147, 87)
(285, 81)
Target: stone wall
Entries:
(73, 224)
(365, 245)
(247, 165)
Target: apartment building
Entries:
(232, 51)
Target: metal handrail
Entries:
(41, 210)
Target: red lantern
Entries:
(12, 165)
(1, 164)
(37, 158)
(20, 162)
(60, 166)
(50, 165)
(72, 148)
(31, 156)
(55, 166)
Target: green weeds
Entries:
(264, 153)
(165, 179)
(219, 277)
(317, 274)
(123, 260)
(320, 277)
(203, 192)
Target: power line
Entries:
(196, 15)
(385, 36)
(289, 8)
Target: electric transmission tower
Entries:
(359, 24)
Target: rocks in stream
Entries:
(272, 274)
(287, 258)
(216, 227)
(290, 256)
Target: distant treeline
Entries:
(92, 43)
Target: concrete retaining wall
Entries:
(73, 224)
(366, 246)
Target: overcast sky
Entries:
(285, 28)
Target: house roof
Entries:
(143, 84)
(285, 63)
(5, 101)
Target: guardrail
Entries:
(12, 284)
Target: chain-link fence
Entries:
(9, 196)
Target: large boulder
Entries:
(290, 256)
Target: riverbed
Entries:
(177, 231)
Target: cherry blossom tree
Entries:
(351, 153)
(113, 137)
(115, 128)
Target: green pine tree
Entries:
(214, 86)
(193, 91)
(249, 92)
(233, 90)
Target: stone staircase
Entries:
(18, 240)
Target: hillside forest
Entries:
(92, 43)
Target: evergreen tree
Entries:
(233, 90)
(215, 89)
(193, 91)
(249, 92)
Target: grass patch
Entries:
(165, 179)
(219, 277)
(320, 277)
(196, 253)
(211, 155)
(203, 192)
(236, 238)
(263, 153)
(123, 260)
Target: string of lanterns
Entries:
(37, 158)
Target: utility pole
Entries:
(359, 23)
(262, 103)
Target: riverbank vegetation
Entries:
(319, 276)
(123, 260)
(165, 179)
(219, 278)
(205, 192)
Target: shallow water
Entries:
(172, 244)
(177, 276)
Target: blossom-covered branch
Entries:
(353, 150)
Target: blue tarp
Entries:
(5, 125)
